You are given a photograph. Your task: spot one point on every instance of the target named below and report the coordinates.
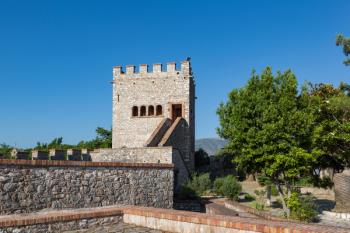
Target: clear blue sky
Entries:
(56, 57)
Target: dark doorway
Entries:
(176, 111)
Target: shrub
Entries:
(199, 183)
(263, 180)
(249, 197)
(259, 206)
(231, 188)
(274, 191)
(302, 207)
(218, 185)
(187, 193)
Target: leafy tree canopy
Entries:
(102, 140)
(331, 133)
(345, 42)
(285, 135)
(267, 126)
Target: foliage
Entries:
(284, 135)
(218, 183)
(227, 186)
(248, 197)
(230, 188)
(201, 158)
(260, 199)
(102, 140)
(186, 192)
(56, 143)
(264, 180)
(345, 42)
(331, 133)
(302, 207)
(5, 150)
(259, 206)
(268, 126)
(199, 183)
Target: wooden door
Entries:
(176, 111)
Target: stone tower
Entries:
(155, 109)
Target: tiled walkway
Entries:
(116, 228)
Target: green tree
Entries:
(56, 143)
(201, 158)
(102, 140)
(331, 133)
(267, 125)
(345, 42)
(5, 150)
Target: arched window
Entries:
(150, 110)
(159, 110)
(143, 111)
(135, 111)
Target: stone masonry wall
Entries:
(175, 137)
(134, 155)
(162, 155)
(27, 186)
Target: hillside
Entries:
(210, 145)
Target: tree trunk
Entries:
(268, 195)
(281, 195)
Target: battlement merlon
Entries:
(130, 71)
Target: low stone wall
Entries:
(190, 222)
(64, 226)
(158, 219)
(27, 186)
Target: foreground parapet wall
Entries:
(153, 218)
(27, 186)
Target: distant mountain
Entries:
(210, 145)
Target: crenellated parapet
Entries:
(143, 71)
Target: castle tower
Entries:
(155, 108)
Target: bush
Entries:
(187, 193)
(259, 206)
(231, 188)
(218, 185)
(248, 197)
(227, 186)
(274, 191)
(200, 183)
(302, 207)
(263, 180)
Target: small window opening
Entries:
(135, 111)
(143, 111)
(159, 110)
(150, 110)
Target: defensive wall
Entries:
(159, 155)
(32, 185)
